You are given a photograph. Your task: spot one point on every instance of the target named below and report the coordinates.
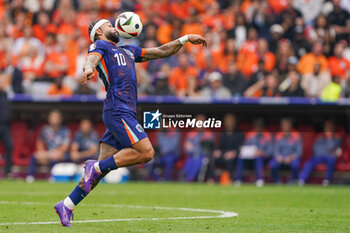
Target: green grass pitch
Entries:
(267, 209)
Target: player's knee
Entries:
(147, 155)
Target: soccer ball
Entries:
(128, 25)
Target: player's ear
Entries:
(99, 32)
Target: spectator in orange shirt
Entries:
(308, 61)
(56, 65)
(169, 30)
(16, 29)
(214, 18)
(180, 9)
(222, 60)
(67, 25)
(43, 26)
(266, 55)
(337, 64)
(58, 88)
(249, 49)
(249, 64)
(31, 66)
(193, 25)
(180, 75)
(279, 5)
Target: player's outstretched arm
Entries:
(88, 69)
(172, 47)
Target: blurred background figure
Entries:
(337, 64)
(314, 83)
(179, 75)
(12, 76)
(323, 32)
(339, 19)
(307, 62)
(5, 134)
(287, 151)
(345, 85)
(234, 80)
(258, 145)
(58, 88)
(198, 146)
(267, 86)
(291, 85)
(332, 91)
(51, 145)
(83, 89)
(216, 89)
(226, 151)
(85, 144)
(168, 143)
(326, 149)
(161, 82)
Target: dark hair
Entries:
(90, 29)
(56, 111)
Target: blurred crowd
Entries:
(255, 47)
(201, 154)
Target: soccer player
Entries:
(125, 142)
(326, 149)
(261, 141)
(85, 143)
(288, 150)
(52, 144)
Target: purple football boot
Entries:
(90, 175)
(64, 213)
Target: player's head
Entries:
(85, 126)
(103, 30)
(259, 125)
(328, 126)
(55, 118)
(286, 125)
(230, 122)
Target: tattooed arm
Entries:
(171, 48)
(88, 69)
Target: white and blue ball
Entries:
(128, 25)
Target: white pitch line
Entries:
(222, 214)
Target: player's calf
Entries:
(146, 155)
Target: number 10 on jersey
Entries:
(120, 59)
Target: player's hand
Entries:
(197, 39)
(217, 153)
(231, 154)
(88, 74)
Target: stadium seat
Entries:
(19, 131)
(308, 135)
(100, 128)
(73, 127)
(2, 158)
(245, 127)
